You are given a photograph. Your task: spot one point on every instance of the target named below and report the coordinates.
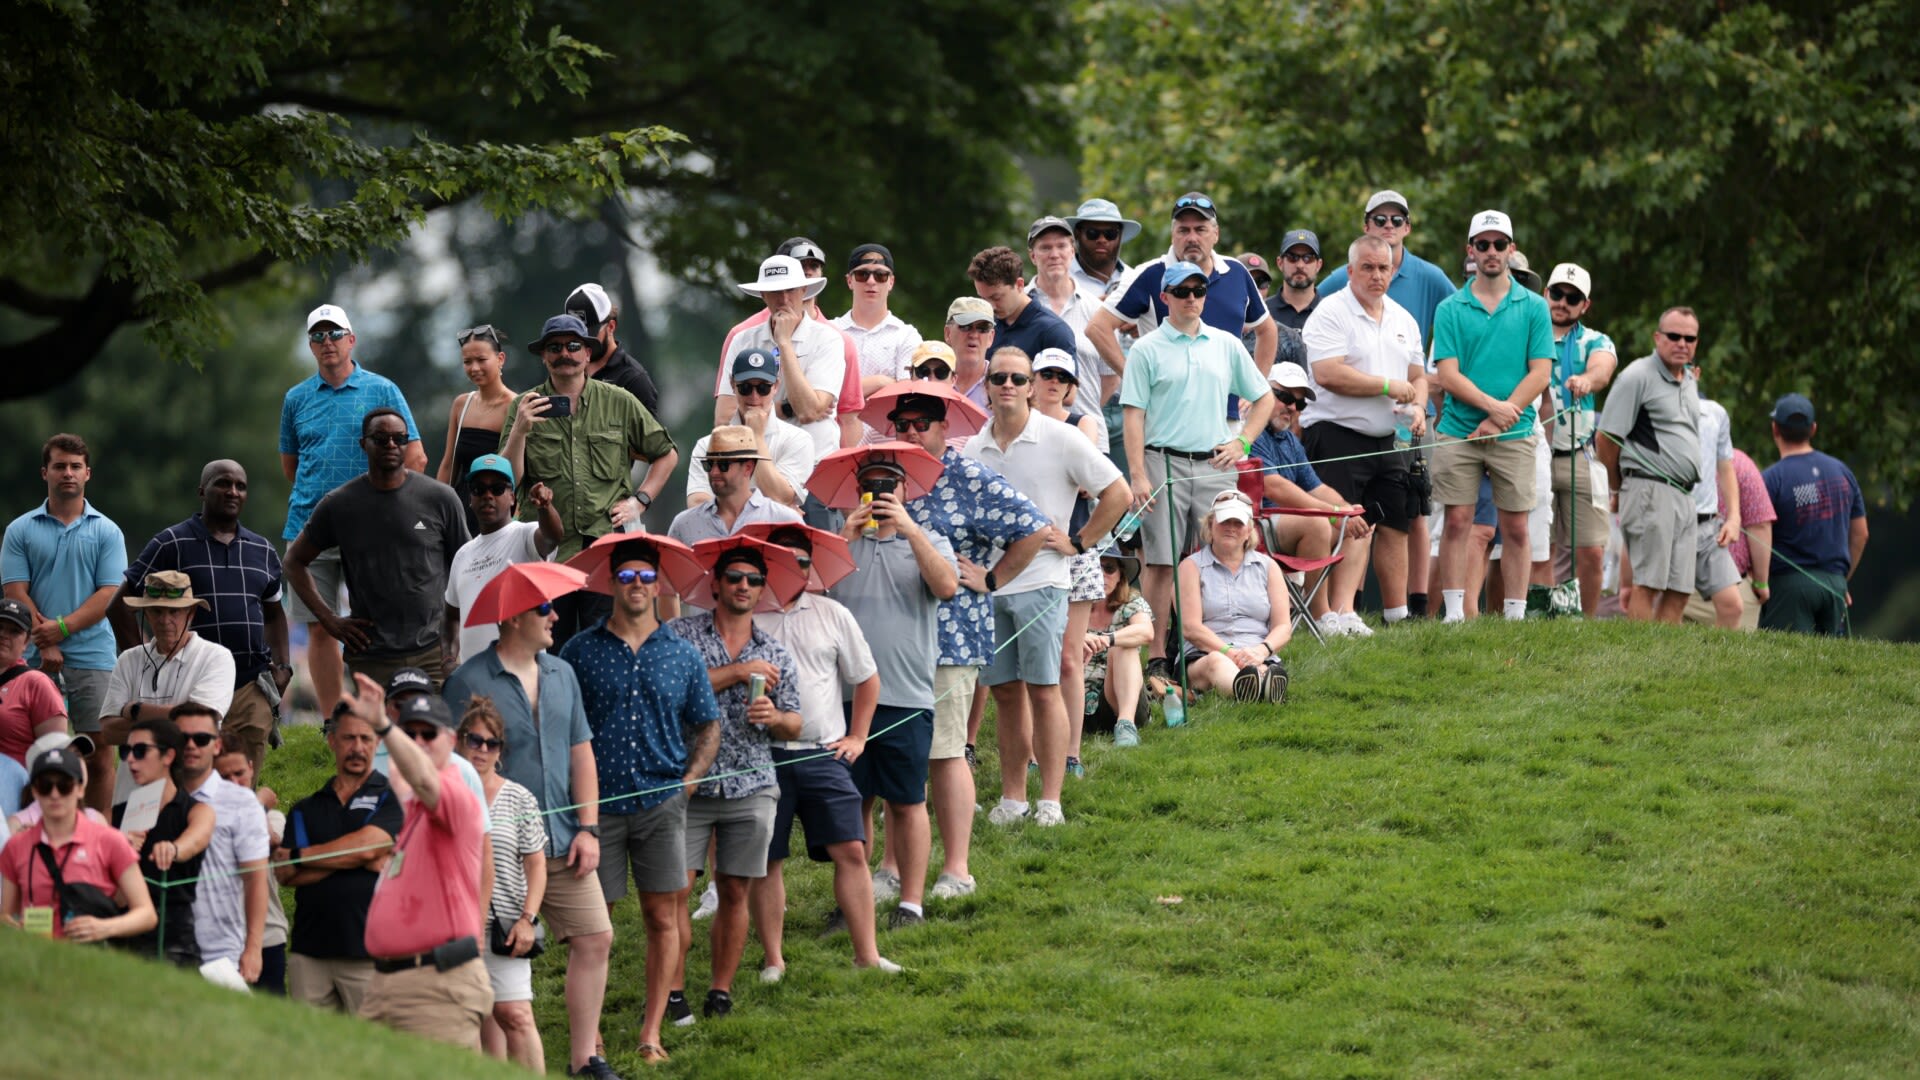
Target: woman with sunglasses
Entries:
(475, 418)
(1116, 683)
(81, 850)
(171, 849)
(1233, 608)
(519, 884)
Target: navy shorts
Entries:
(894, 766)
(821, 793)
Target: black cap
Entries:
(740, 553)
(62, 761)
(409, 680)
(426, 707)
(15, 612)
(752, 364)
(1046, 224)
(859, 255)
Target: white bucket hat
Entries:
(780, 272)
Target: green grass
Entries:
(1570, 849)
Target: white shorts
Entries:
(512, 977)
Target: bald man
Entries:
(238, 573)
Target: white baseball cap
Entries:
(1056, 360)
(332, 313)
(1490, 221)
(1387, 198)
(1571, 274)
(1291, 376)
(1231, 505)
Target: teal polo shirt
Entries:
(1182, 381)
(1493, 348)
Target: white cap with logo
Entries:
(1490, 221)
(328, 313)
(1571, 274)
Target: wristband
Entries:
(64, 632)
(1759, 586)
(645, 500)
(993, 583)
(1246, 447)
(1224, 650)
(1386, 387)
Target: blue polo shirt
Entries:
(637, 703)
(321, 424)
(62, 566)
(1283, 452)
(1233, 300)
(1419, 286)
(235, 579)
(1035, 328)
(1493, 348)
(539, 754)
(979, 513)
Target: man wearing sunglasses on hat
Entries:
(501, 542)
(884, 342)
(1493, 350)
(397, 532)
(176, 665)
(320, 450)
(230, 905)
(788, 453)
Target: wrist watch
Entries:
(591, 830)
(382, 731)
(645, 500)
(1078, 544)
(993, 583)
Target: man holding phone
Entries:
(577, 436)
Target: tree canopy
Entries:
(1754, 161)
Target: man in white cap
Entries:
(782, 474)
(320, 450)
(812, 356)
(614, 364)
(850, 399)
(1493, 350)
(1098, 231)
(1584, 360)
(1289, 480)
(1418, 285)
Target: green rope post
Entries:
(1173, 551)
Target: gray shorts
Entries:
(652, 842)
(1028, 628)
(1657, 520)
(742, 831)
(86, 696)
(328, 579)
(1184, 502)
(1713, 568)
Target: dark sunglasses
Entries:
(1303, 257)
(545, 607)
(933, 371)
(318, 336)
(977, 328)
(165, 592)
(1280, 398)
(1193, 202)
(735, 577)
(723, 465)
(1002, 378)
(882, 275)
(388, 438)
(919, 425)
(139, 751)
(491, 487)
(1565, 295)
(805, 560)
(47, 785)
(1100, 232)
(199, 738)
(1678, 339)
(486, 331)
(1381, 221)
(1058, 375)
(421, 732)
(555, 348)
(1187, 292)
(753, 389)
(1498, 243)
(481, 742)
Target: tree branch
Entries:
(20, 297)
(76, 341)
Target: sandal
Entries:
(652, 1055)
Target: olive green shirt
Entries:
(584, 459)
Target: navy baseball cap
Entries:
(1793, 408)
(562, 326)
(754, 364)
(1300, 238)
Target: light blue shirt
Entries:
(1234, 604)
(539, 753)
(62, 566)
(1182, 381)
(321, 424)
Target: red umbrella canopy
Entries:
(684, 574)
(836, 479)
(832, 558)
(785, 579)
(523, 587)
(963, 416)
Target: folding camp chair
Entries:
(1300, 592)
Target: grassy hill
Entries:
(1573, 849)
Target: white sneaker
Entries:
(882, 965)
(1355, 625)
(772, 975)
(1002, 814)
(709, 903)
(1049, 814)
(949, 887)
(1332, 625)
(886, 885)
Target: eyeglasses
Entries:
(722, 465)
(1002, 378)
(481, 742)
(735, 577)
(165, 592)
(318, 336)
(881, 274)
(1193, 202)
(1288, 400)
(138, 751)
(1565, 295)
(753, 389)
(201, 739)
(1498, 243)
(1680, 339)
(490, 487)
(388, 438)
(555, 348)
(1100, 232)
(47, 785)
(1187, 292)
(1382, 221)
(483, 331)
(940, 372)
(1058, 375)
(977, 328)
(917, 424)
(1303, 257)
(644, 577)
(421, 732)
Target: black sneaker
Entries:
(1247, 684)
(836, 923)
(719, 1003)
(1273, 686)
(597, 1068)
(973, 759)
(901, 919)
(679, 1012)
(1162, 667)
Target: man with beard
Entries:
(1299, 263)
(1098, 231)
(501, 543)
(1583, 364)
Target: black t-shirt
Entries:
(623, 371)
(180, 876)
(395, 548)
(1286, 315)
(330, 915)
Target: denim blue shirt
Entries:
(978, 512)
(638, 702)
(62, 566)
(539, 753)
(743, 747)
(321, 424)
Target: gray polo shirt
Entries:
(899, 615)
(697, 523)
(1656, 419)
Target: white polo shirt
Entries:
(822, 356)
(1340, 328)
(1050, 463)
(198, 671)
(791, 448)
(829, 650)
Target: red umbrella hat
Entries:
(523, 587)
(683, 573)
(786, 579)
(964, 418)
(836, 479)
(832, 558)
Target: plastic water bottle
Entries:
(1175, 711)
(1128, 527)
(1402, 430)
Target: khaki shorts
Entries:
(574, 906)
(329, 983)
(1700, 612)
(953, 700)
(1657, 520)
(247, 723)
(445, 1006)
(1458, 465)
(1579, 497)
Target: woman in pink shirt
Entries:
(82, 850)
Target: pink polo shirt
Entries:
(95, 855)
(430, 892)
(28, 700)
